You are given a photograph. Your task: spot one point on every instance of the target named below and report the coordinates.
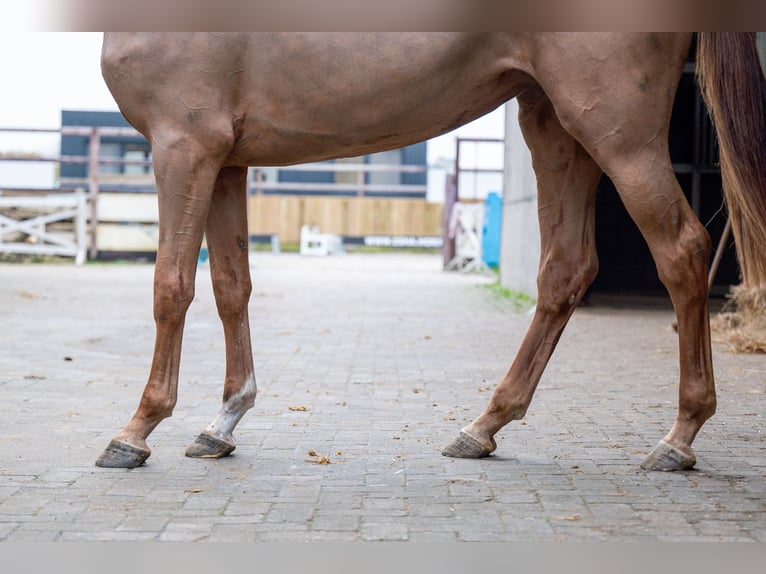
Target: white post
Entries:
(81, 232)
(93, 172)
(520, 241)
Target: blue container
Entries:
(492, 228)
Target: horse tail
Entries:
(734, 88)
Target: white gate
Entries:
(52, 208)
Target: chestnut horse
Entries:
(213, 104)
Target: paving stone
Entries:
(383, 531)
(391, 356)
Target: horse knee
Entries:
(562, 284)
(232, 292)
(173, 293)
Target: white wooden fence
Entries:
(35, 215)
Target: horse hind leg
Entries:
(638, 163)
(227, 237)
(566, 179)
(681, 250)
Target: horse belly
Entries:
(260, 142)
(352, 95)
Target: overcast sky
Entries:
(45, 72)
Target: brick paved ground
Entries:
(390, 357)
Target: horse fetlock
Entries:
(244, 398)
(502, 410)
(696, 408)
(707, 407)
(233, 409)
(153, 411)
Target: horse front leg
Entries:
(566, 179)
(185, 178)
(227, 238)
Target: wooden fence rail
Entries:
(126, 220)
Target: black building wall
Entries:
(414, 155)
(80, 145)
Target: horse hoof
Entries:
(122, 455)
(465, 446)
(209, 446)
(668, 458)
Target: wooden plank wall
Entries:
(347, 216)
(128, 221)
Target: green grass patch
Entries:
(286, 247)
(351, 248)
(295, 247)
(520, 301)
